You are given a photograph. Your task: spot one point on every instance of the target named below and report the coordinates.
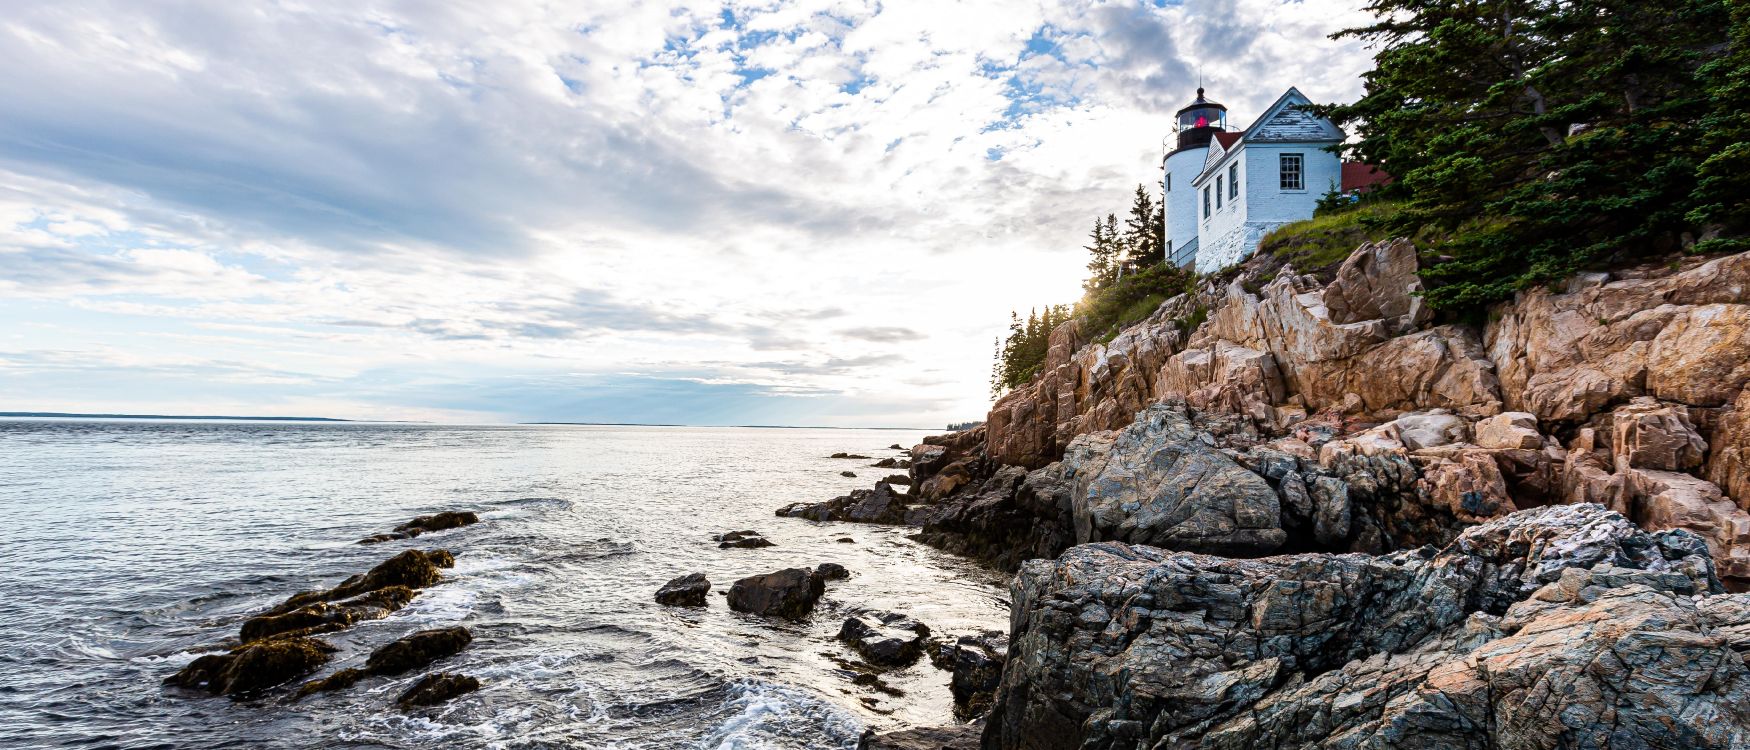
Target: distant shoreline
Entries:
(735, 426)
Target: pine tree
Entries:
(1536, 138)
(1100, 261)
(1142, 233)
(1116, 248)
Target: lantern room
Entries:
(1199, 121)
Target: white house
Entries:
(1225, 190)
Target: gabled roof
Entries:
(1287, 121)
(1218, 148)
(1283, 122)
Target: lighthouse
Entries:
(1193, 128)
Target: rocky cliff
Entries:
(1289, 511)
(1626, 389)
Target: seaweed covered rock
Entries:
(417, 650)
(437, 688)
(414, 569)
(1130, 646)
(748, 539)
(832, 572)
(878, 505)
(406, 653)
(789, 593)
(253, 667)
(885, 639)
(686, 591)
(323, 617)
(449, 519)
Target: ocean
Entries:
(128, 548)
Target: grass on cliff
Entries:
(1319, 244)
(1105, 311)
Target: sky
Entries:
(794, 212)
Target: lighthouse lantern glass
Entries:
(1202, 117)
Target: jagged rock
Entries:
(879, 505)
(1376, 281)
(976, 662)
(1224, 377)
(850, 474)
(887, 463)
(1117, 645)
(253, 667)
(1160, 483)
(789, 593)
(848, 455)
(1569, 355)
(831, 572)
(1014, 515)
(417, 650)
(1509, 431)
(947, 480)
(1421, 431)
(1729, 464)
(1648, 435)
(1470, 486)
(1603, 658)
(323, 617)
(1669, 500)
(1274, 356)
(885, 639)
(896, 447)
(957, 737)
(686, 591)
(437, 688)
(414, 569)
(898, 480)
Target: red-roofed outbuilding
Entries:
(1358, 177)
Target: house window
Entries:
(1169, 183)
(1206, 202)
(1233, 181)
(1218, 193)
(1291, 176)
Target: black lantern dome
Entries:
(1199, 121)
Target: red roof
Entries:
(1362, 177)
(1227, 139)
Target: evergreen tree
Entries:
(1722, 194)
(1101, 263)
(1539, 137)
(1116, 247)
(1144, 233)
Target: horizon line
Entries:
(241, 418)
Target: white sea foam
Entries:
(761, 712)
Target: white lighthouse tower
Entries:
(1193, 128)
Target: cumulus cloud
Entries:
(517, 189)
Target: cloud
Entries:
(883, 334)
(500, 191)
